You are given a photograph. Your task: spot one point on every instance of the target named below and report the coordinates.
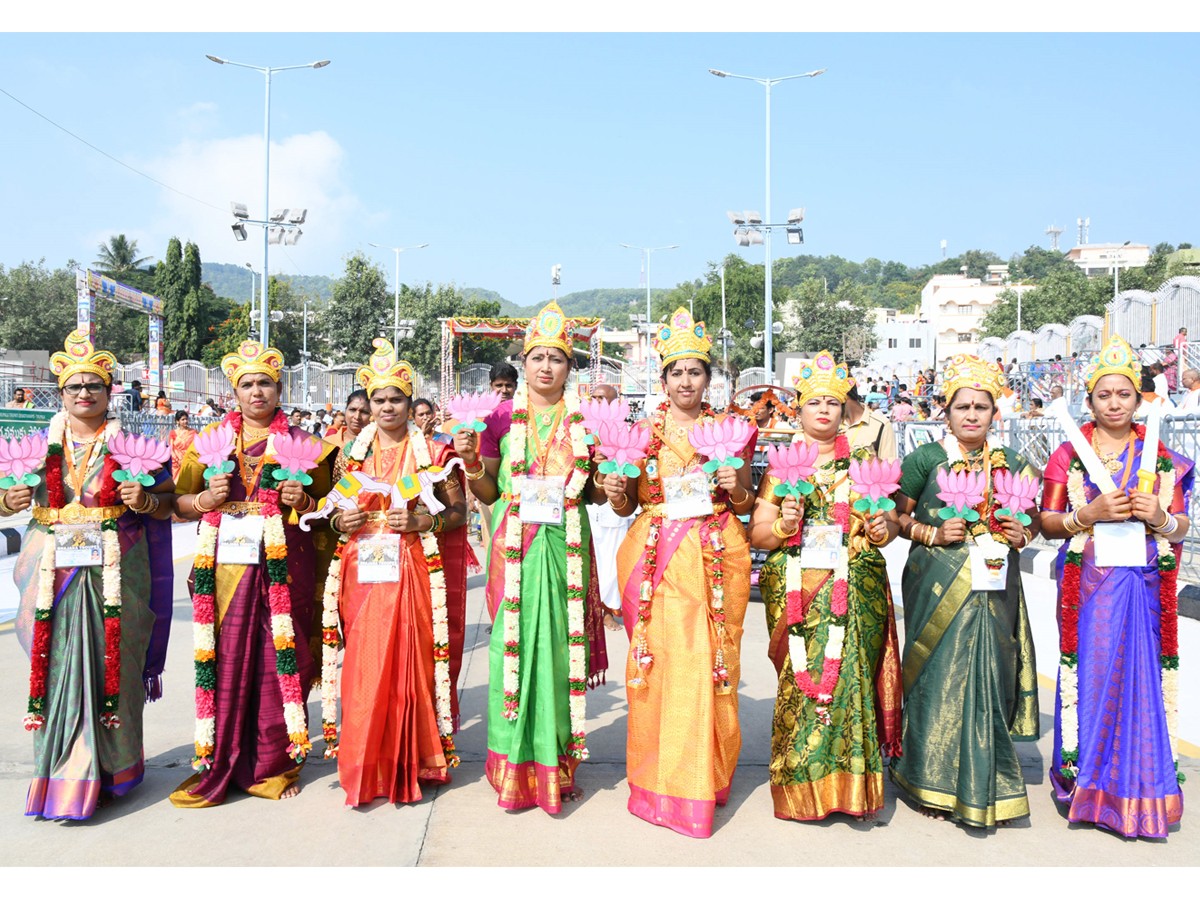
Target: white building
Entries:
(1100, 259)
(955, 306)
(903, 345)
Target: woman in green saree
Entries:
(829, 610)
(533, 465)
(970, 686)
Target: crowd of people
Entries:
(341, 561)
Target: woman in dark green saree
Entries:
(970, 685)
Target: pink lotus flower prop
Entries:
(624, 446)
(213, 446)
(792, 465)
(19, 457)
(960, 491)
(471, 409)
(1016, 493)
(721, 442)
(295, 456)
(138, 455)
(596, 412)
(875, 480)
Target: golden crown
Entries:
(966, 371)
(823, 376)
(681, 338)
(1117, 358)
(80, 356)
(252, 358)
(549, 328)
(384, 370)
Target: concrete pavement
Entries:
(461, 825)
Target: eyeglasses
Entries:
(92, 387)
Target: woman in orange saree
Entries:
(685, 577)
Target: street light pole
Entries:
(649, 316)
(264, 313)
(768, 360)
(396, 302)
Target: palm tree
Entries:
(119, 255)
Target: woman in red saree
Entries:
(389, 587)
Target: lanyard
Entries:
(542, 454)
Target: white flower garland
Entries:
(793, 586)
(331, 620)
(513, 556)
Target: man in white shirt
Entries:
(608, 530)
(1190, 401)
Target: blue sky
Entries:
(508, 153)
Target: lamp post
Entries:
(252, 282)
(767, 83)
(264, 318)
(649, 315)
(396, 306)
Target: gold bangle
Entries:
(871, 540)
(308, 504)
(617, 507)
(1028, 537)
(931, 535)
(200, 507)
(149, 505)
(777, 530)
(746, 495)
(475, 474)
(1071, 524)
(5, 509)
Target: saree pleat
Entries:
(969, 672)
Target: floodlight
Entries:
(239, 231)
(753, 218)
(297, 216)
(741, 238)
(278, 215)
(239, 210)
(291, 236)
(735, 217)
(796, 216)
(795, 235)
(755, 237)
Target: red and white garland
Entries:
(279, 599)
(331, 620)
(710, 532)
(822, 692)
(1068, 667)
(514, 553)
(110, 589)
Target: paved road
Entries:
(461, 825)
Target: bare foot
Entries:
(868, 817)
(292, 790)
(575, 793)
(930, 813)
(610, 621)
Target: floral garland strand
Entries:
(35, 717)
(514, 552)
(822, 691)
(331, 619)
(710, 532)
(279, 601)
(1068, 667)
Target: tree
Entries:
(287, 334)
(226, 336)
(37, 306)
(1036, 263)
(168, 285)
(119, 255)
(1061, 296)
(357, 311)
(815, 319)
(426, 306)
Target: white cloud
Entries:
(306, 171)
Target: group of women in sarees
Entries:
(277, 597)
